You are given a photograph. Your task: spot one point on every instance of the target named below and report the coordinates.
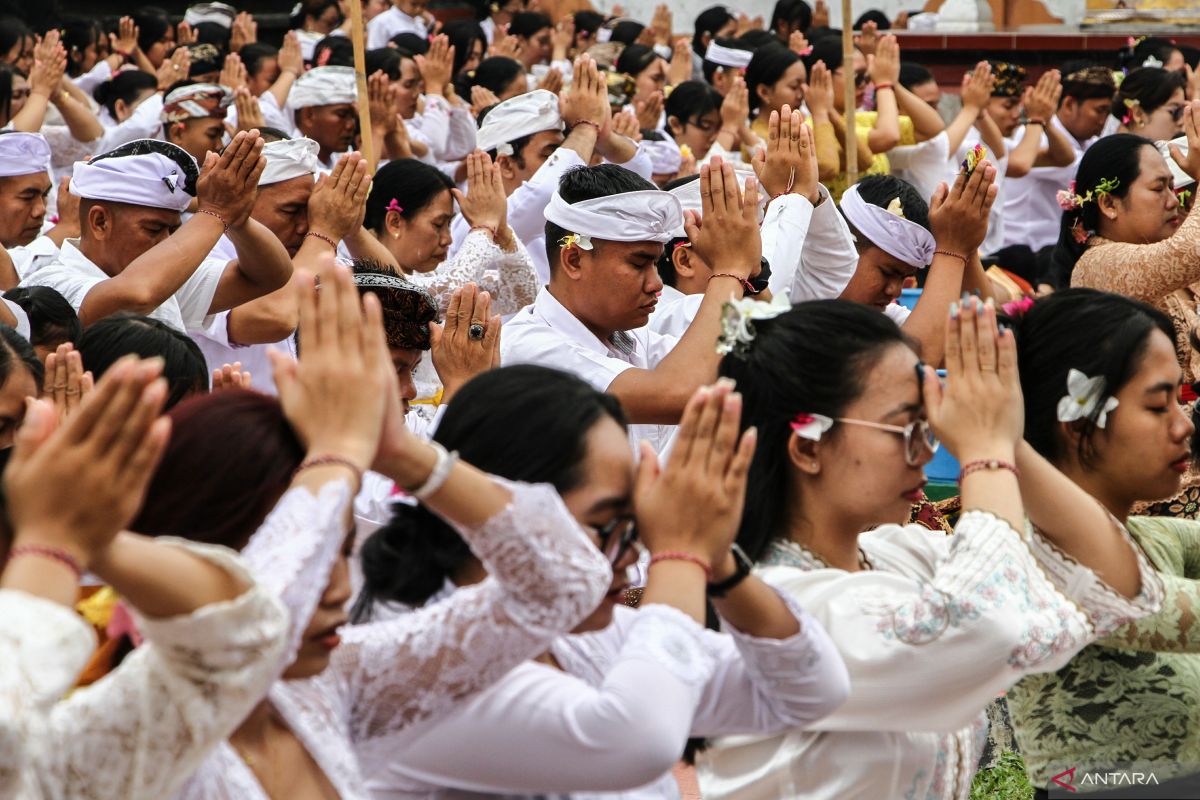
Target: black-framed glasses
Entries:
(617, 537)
(919, 438)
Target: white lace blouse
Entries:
(140, 730)
(931, 634)
(546, 576)
(508, 276)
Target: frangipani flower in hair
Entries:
(737, 321)
(1084, 395)
(580, 240)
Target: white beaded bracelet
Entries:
(441, 471)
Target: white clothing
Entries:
(448, 131)
(1032, 215)
(924, 164)
(546, 333)
(88, 81)
(930, 635)
(73, 276)
(996, 217)
(674, 312)
(142, 729)
(545, 576)
(143, 123)
(29, 258)
(393, 22)
(619, 713)
(897, 313)
(508, 276)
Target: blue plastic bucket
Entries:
(943, 468)
(909, 298)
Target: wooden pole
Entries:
(360, 74)
(848, 93)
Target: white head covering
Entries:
(644, 216)
(289, 158)
(728, 56)
(147, 179)
(665, 158)
(323, 86)
(220, 13)
(888, 230)
(23, 154)
(688, 195)
(523, 115)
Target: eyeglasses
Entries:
(861, 79)
(23, 94)
(617, 537)
(919, 438)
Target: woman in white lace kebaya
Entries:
(609, 710)
(362, 688)
(213, 638)
(931, 627)
(410, 209)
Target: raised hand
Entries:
(819, 97)
(680, 67)
(884, 65)
(625, 123)
(249, 113)
(1041, 100)
(508, 46)
(735, 108)
(820, 15)
(335, 395)
(457, 356)
(48, 67)
(73, 484)
(562, 39)
(726, 237)
(587, 98)
(977, 87)
(230, 376)
(485, 204)
(66, 383)
(382, 101)
(185, 35)
(174, 69)
(243, 32)
(436, 66)
(228, 183)
(958, 216)
(482, 98)
(291, 58)
(125, 40)
(790, 161)
(694, 503)
(68, 209)
(649, 111)
(552, 81)
(798, 44)
(661, 24)
(338, 202)
(1189, 163)
(233, 72)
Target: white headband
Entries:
(220, 13)
(728, 56)
(289, 158)
(147, 179)
(665, 158)
(23, 154)
(523, 115)
(643, 216)
(890, 232)
(323, 86)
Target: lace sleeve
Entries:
(545, 575)
(509, 277)
(295, 549)
(144, 728)
(45, 646)
(1142, 271)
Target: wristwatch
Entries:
(743, 567)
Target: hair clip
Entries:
(738, 318)
(580, 240)
(1084, 396)
(394, 206)
(1130, 104)
(810, 426)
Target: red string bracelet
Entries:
(487, 228)
(329, 461)
(747, 286)
(989, 465)
(675, 555)
(215, 216)
(52, 553)
(879, 87)
(961, 258)
(1036, 121)
(323, 238)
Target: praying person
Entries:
(193, 118)
(322, 102)
(25, 184)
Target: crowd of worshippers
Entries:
(563, 432)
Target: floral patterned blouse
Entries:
(1135, 696)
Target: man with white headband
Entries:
(193, 117)
(605, 230)
(724, 61)
(24, 186)
(525, 136)
(133, 255)
(897, 235)
(322, 102)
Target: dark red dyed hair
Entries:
(231, 456)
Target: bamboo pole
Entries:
(848, 93)
(360, 74)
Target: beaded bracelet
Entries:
(323, 238)
(675, 555)
(216, 216)
(987, 464)
(747, 286)
(329, 461)
(52, 553)
(589, 123)
(960, 257)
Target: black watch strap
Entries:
(744, 565)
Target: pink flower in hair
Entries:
(394, 206)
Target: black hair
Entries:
(827, 49)
(105, 342)
(1191, 55)
(691, 100)
(311, 8)
(412, 184)
(1150, 87)
(153, 26)
(410, 43)
(1132, 58)
(7, 73)
(463, 33)
(384, 59)
(791, 12)
(666, 262)
(14, 350)
(13, 31)
(1097, 333)
(253, 56)
(766, 67)
(526, 23)
(881, 190)
(796, 365)
(635, 58)
(78, 34)
(914, 74)
(125, 85)
(334, 51)
(270, 134)
(52, 320)
(213, 33)
(1116, 157)
(588, 183)
(752, 40)
(708, 23)
(587, 23)
(1084, 89)
(626, 31)
(495, 73)
(710, 67)
(523, 423)
(873, 15)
